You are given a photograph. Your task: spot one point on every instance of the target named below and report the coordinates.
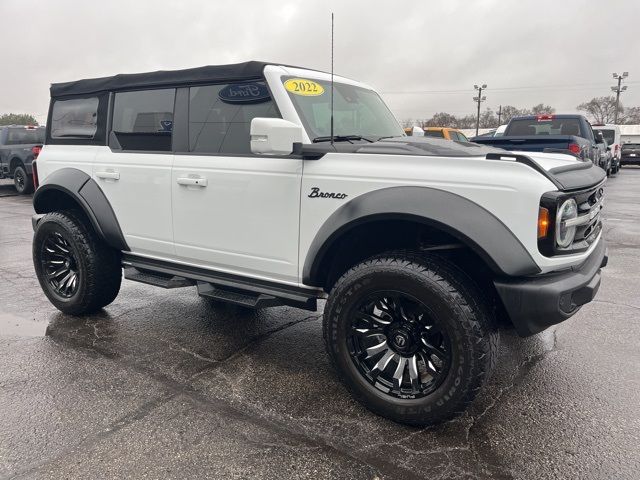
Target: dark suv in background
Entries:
(19, 147)
(630, 154)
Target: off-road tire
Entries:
(461, 306)
(22, 181)
(98, 265)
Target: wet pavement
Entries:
(164, 384)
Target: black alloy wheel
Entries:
(398, 345)
(411, 335)
(60, 265)
(77, 271)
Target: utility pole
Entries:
(479, 99)
(499, 115)
(618, 89)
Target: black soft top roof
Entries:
(124, 81)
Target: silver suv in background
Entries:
(611, 134)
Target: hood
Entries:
(426, 146)
(565, 171)
(429, 146)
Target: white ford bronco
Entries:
(262, 185)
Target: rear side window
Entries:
(76, 118)
(434, 133)
(220, 116)
(143, 120)
(25, 136)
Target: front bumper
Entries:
(536, 303)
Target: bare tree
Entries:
(509, 111)
(488, 119)
(542, 109)
(601, 109)
(442, 119)
(631, 116)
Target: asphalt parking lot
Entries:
(163, 384)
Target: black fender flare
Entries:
(85, 192)
(470, 223)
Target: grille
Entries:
(588, 223)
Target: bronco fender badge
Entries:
(316, 193)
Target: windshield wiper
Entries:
(341, 138)
(389, 136)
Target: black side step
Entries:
(222, 286)
(245, 299)
(157, 279)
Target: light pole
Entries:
(479, 99)
(618, 89)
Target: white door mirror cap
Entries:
(417, 131)
(274, 136)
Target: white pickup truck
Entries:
(231, 179)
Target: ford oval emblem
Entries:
(254, 92)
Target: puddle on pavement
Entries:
(14, 326)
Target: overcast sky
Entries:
(560, 52)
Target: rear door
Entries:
(134, 170)
(233, 211)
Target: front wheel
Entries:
(78, 273)
(411, 337)
(22, 181)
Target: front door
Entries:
(232, 211)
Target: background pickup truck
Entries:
(552, 133)
(19, 146)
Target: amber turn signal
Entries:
(543, 222)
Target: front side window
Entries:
(76, 118)
(356, 110)
(462, 137)
(143, 120)
(220, 116)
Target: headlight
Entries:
(567, 211)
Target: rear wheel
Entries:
(76, 270)
(411, 336)
(22, 180)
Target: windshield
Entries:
(608, 134)
(357, 111)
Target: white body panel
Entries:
(245, 220)
(140, 197)
(511, 191)
(55, 157)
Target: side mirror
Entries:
(417, 132)
(274, 136)
(599, 137)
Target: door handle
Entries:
(109, 175)
(192, 181)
